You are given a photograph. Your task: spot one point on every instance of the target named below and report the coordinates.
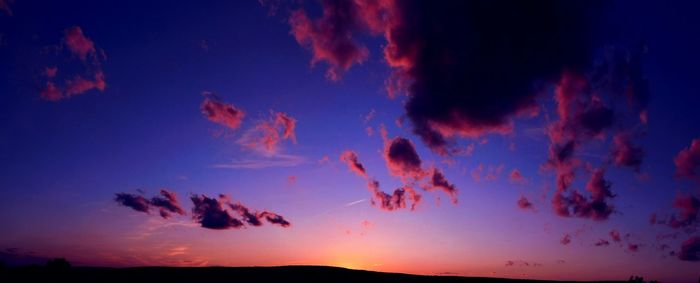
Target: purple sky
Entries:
(529, 140)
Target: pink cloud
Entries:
(78, 43)
(350, 158)
(268, 134)
(330, 37)
(92, 79)
(79, 85)
(221, 113)
(51, 92)
(517, 177)
(388, 202)
(688, 207)
(688, 161)
(625, 153)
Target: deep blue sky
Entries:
(63, 161)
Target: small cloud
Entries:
(517, 177)
(566, 239)
(221, 113)
(266, 136)
(688, 161)
(524, 203)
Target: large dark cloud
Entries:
(213, 213)
(222, 214)
(210, 213)
(470, 66)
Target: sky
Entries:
(549, 140)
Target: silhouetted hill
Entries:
(224, 274)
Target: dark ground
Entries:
(223, 274)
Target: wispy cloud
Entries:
(277, 160)
(355, 202)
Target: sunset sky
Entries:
(548, 140)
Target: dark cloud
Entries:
(136, 202)
(388, 202)
(462, 79)
(596, 207)
(274, 218)
(210, 213)
(566, 239)
(690, 249)
(522, 263)
(633, 248)
(167, 204)
(524, 203)
(221, 113)
(222, 214)
(688, 161)
(402, 159)
(687, 216)
(246, 215)
(255, 218)
(438, 181)
(602, 243)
